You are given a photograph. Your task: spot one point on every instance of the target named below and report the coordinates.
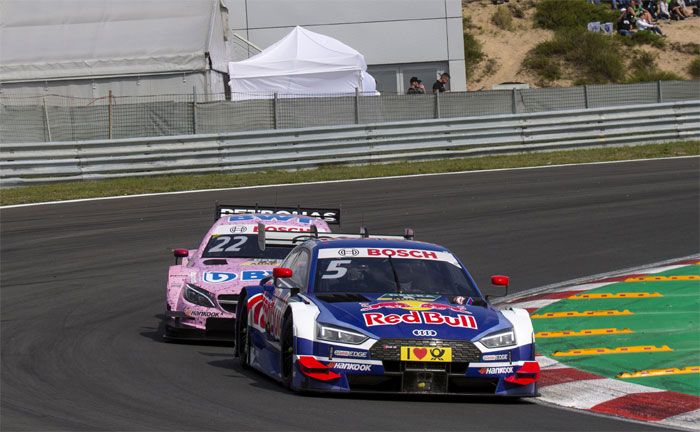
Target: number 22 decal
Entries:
(225, 240)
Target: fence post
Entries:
(357, 105)
(659, 96)
(274, 111)
(585, 95)
(109, 115)
(194, 110)
(437, 105)
(514, 105)
(46, 118)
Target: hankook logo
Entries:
(346, 252)
(421, 332)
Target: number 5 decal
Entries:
(334, 270)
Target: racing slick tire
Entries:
(242, 349)
(287, 352)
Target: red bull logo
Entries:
(419, 317)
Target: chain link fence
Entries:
(59, 118)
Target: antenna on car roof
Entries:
(364, 232)
(408, 233)
(313, 231)
(261, 236)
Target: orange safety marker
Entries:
(589, 332)
(662, 278)
(614, 295)
(618, 350)
(658, 372)
(581, 314)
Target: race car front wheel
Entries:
(242, 333)
(287, 354)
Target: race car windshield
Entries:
(241, 246)
(382, 275)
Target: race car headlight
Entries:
(198, 296)
(499, 340)
(335, 334)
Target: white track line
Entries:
(341, 181)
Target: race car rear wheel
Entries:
(287, 354)
(242, 333)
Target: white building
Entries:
(85, 48)
(399, 38)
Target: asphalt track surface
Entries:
(83, 288)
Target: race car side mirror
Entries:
(499, 280)
(282, 272)
(180, 253)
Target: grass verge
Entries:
(140, 185)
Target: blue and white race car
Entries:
(359, 313)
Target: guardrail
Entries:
(28, 163)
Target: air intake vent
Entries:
(228, 302)
(341, 297)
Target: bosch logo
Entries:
(421, 332)
(348, 252)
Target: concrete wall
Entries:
(420, 34)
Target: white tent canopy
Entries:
(68, 39)
(303, 63)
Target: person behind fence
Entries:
(415, 86)
(439, 85)
(679, 10)
(625, 22)
(662, 12)
(644, 24)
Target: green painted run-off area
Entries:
(672, 320)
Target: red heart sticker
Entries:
(420, 352)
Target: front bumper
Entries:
(182, 327)
(381, 370)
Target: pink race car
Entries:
(202, 290)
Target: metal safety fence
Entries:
(46, 118)
(28, 163)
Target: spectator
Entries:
(679, 11)
(625, 22)
(416, 86)
(662, 11)
(439, 85)
(643, 24)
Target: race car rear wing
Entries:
(330, 215)
(280, 238)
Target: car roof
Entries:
(375, 243)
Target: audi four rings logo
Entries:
(344, 252)
(424, 333)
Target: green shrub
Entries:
(562, 14)
(502, 18)
(546, 68)
(473, 54)
(694, 68)
(644, 37)
(687, 48)
(652, 74)
(516, 10)
(591, 57)
(644, 69)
